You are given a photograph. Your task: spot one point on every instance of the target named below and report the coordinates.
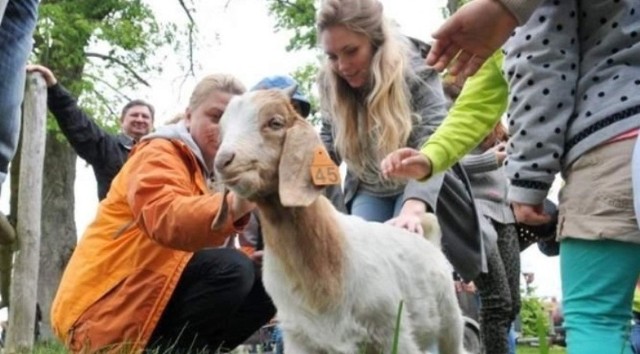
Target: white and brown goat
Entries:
(336, 280)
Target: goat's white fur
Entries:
(362, 270)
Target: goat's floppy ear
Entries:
(296, 186)
(223, 212)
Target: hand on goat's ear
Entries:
(296, 187)
(239, 208)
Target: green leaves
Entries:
(101, 49)
(297, 16)
(533, 316)
(306, 78)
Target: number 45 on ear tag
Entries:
(323, 171)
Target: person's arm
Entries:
(481, 163)
(475, 113)
(326, 135)
(160, 193)
(88, 140)
(428, 102)
(332, 192)
(542, 82)
(86, 137)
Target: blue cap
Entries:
(283, 82)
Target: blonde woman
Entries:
(147, 272)
(378, 96)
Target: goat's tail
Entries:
(431, 229)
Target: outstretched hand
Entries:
(530, 214)
(406, 163)
(470, 36)
(409, 217)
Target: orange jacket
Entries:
(128, 262)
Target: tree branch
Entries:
(119, 62)
(192, 25)
(105, 102)
(186, 10)
(104, 82)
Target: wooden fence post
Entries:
(3, 6)
(24, 287)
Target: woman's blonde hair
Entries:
(383, 109)
(215, 82)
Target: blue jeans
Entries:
(372, 208)
(512, 339)
(598, 280)
(16, 30)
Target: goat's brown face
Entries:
(256, 130)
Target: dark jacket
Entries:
(105, 152)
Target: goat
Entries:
(336, 280)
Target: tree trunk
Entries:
(59, 235)
(3, 6)
(22, 312)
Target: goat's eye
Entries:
(276, 123)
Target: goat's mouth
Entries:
(242, 183)
(228, 181)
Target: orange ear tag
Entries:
(323, 171)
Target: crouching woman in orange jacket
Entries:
(149, 272)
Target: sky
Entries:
(237, 37)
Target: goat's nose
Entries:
(224, 159)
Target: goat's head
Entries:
(267, 149)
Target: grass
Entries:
(535, 350)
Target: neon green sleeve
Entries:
(479, 107)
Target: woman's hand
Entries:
(48, 76)
(500, 151)
(407, 163)
(257, 257)
(470, 36)
(410, 216)
(530, 214)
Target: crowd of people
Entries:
(566, 75)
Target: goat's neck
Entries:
(310, 246)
